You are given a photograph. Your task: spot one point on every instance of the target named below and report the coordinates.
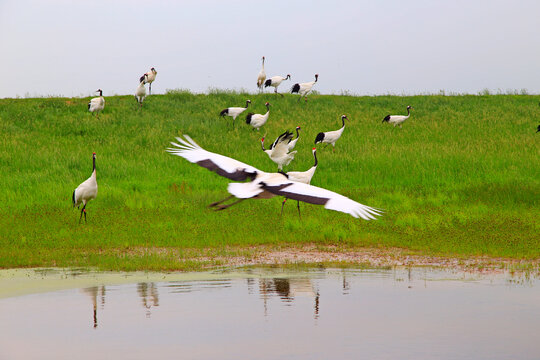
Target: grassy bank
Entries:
(461, 178)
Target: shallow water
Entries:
(273, 314)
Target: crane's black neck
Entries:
(247, 104)
(267, 107)
(297, 134)
(100, 92)
(262, 145)
(343, 121)
(94, 164)
(315, 156)
(408, 111)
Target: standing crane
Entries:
(304, 88)
(97, 104)
(261, 77)
(234, 111)
(275, 81)
(330, 137)
(86, 191)
(398, 119)
(151, 76)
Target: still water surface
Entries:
(262, 314)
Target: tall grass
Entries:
(462, 177)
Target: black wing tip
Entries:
(224, 112)
(73, 198)
(387, 118)
(319, 138)
(295, 88)
(267, 83)
(248, 118)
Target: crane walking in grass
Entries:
(140, 93)
(275, 81)
(261, 77)
(398, 119)
(279, 150)
(302, 177)
(234, 111)
(264, 185)
(330, 137)
(150, 77)
(86, 191)
(258, 120)
(97, 104)
(304, 88)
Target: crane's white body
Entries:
(140, 93)
(261, 77)
(234, 111)
(275, 81)
(292, 143)
(304, 88)
(279, 151)
(330, 137)
(304, 176)
(149, 78)
(97, 104)
(258, 120)
(266, 185)
(398, 119)
(86, 191)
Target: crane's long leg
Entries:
(298, 206)
(150, 89)
(82, 210)
(219, 202)
(223, 207)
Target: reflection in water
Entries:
(287, 289)
(149, 296)
(404, 314)
(94, 291)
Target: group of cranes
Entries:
(262, 185)
(87, 190)
(299, 88)
(98, 104)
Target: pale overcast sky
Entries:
(71, 48)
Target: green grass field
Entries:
(461, 178)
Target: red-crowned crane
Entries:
(258, 120)
(86, 191)
(234, 111)
(292, 143)
(140, 93)
(304, 88)
(302, 177)
(330, 137)
(275, 81)
(97, 104)
(261, 77)
(398, 119)
(151, 76)
(264, 185)
(279, 151)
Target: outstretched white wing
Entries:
(281, 145)
(223, 165)
(319, 196)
